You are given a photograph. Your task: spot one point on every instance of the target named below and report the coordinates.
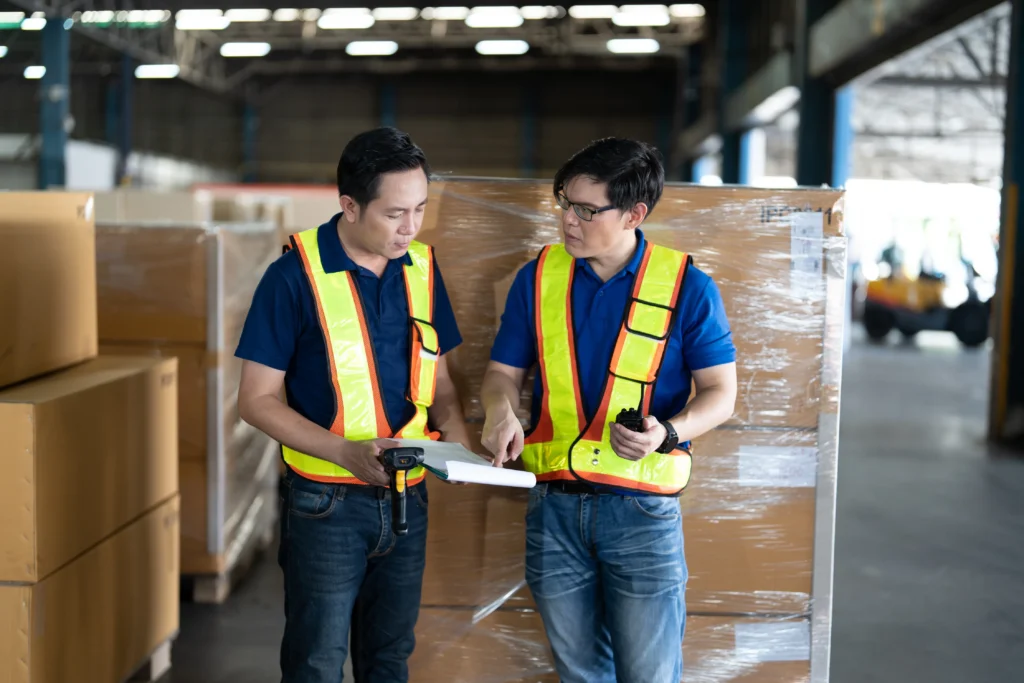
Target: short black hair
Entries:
(633, 171)
(370, 155)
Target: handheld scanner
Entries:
(397, 462)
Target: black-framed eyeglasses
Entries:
(584, 212)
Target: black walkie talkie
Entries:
(398, 461)
(631, 418)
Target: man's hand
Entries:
(632, 445)
(361, 459)
(503, 435)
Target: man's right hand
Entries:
(361, 459)
(503, 435)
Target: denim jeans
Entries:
(345, 572)
(609, 575)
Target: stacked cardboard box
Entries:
(88, 509)
(758, 516)
(183, 290)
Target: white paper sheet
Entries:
(453, 462)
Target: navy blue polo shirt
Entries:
(282, 329)
(700, 337)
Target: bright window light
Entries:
(347, 18)
(311, 14)
(33, 24)
(371, 48)
(445, 13)
(97, 17)
(245, 49)
(641, 15)
(3, 51)
(35, 72)
(243, 15)
(201, 20)
(156, 71)
(687, 11)
(286, 14)
(539, 12)
(633, 46)
(494, 17)
(502, 47)
(593, 11)
(395, 13)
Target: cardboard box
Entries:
(130, 204)
(47, 283)
(98, 618)
(91, 448)
(460, 646)
(180, 284)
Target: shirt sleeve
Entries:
(515, 344)
(447, 328)
(707, 339)
(273, 323)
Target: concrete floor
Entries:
(929, 579)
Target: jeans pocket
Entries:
(312, 504)
(419, 494)
(657, 507)
(533, 501)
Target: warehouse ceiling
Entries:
(220, 46)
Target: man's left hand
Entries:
(638, 445)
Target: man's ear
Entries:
(636, 216)
(349, 207)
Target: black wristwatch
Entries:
(671, 439)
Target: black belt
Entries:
(577, 487)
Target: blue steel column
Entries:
(1006, 421)
(126, 119)
(733, 56)
(816, 136)
(842, 137)
(54, 91)
(700, 167)
(691, 103)
(250, 131)
(746, 158)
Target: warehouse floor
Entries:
(929, 580)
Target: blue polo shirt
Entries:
(282, 329)
(700, 337)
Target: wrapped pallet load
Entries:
(183, 290)
(758, 514)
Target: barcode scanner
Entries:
(397, 462)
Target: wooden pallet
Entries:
(156, 665)
(215, 589)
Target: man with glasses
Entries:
(619, 328)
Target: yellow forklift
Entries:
(926, 298)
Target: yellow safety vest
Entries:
(359, 403)
(564, 444)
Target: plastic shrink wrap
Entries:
(758, 515)
(183, 289)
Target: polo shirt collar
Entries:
(632, 266)
(332, 254)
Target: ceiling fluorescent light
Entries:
(11, 17)
(371, 48)
(311, 14)
(641, 15)
(286, 14)
(494, 17)
(33, 24)
(157, 71)
(345, 18)
(502, 47)
(243, 15)
(35, 72)
(201, 20)
(98, 17)
(445, 13)
(3, 51)
(245, 49)
(395, 13)
(593, 11)
(687, 11)
(633, 46)
(539, 12)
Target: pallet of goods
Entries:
(758, 515)
(182, 289)
(89, 509)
